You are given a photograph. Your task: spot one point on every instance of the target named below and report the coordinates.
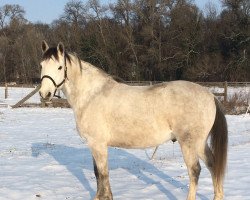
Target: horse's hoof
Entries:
(104, 198)
(218, 197)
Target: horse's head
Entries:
(54, 70)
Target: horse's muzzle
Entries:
(45, 96)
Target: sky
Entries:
(46, 11)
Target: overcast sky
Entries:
(48, 10)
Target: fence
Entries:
(218, 84)
(223, 85)
(223, 94)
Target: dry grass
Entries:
(237, 103)
(56, 103)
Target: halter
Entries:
(53, 81)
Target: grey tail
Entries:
(219, 143)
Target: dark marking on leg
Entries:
(196, 169)
(103, 192)
(209, 161)
(95, 170)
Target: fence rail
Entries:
(231, 84)
(223, 85)
(218, 84)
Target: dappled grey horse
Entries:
(109, 113)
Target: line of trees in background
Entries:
(135, 40)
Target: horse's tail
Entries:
(219, 142)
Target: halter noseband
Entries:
(53, 81)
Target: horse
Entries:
(113, 114)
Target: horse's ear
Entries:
(60, 48)
(45, 46)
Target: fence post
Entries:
(225, 91)
(19, 103)
(6, 91)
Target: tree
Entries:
(235, 40)
(74, 13)
(3, 54)
(135, 39)
(11, 13)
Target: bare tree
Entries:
(135, 39)
(9, 13)
(75, 13)
(3, 53)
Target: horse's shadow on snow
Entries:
(78, 159)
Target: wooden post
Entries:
(153, 155)
(225, 92)
(248, 108)
(6, 91)
(42, 103)
(19, 103)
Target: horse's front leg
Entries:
(100, 161)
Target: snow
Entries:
(17, 93)
(42, 157)
(240, 92)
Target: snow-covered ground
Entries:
(241, 92)
(17, 93)
(42, 157)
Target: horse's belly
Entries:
(134, 139)
(144, 128)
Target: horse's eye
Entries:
(60, 67)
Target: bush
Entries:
(237, 103)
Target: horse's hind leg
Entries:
(207, 156)
(100, 156)
(192, 161)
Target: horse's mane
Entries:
(53, 52)
(113, 77)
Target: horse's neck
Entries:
(83, 84)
